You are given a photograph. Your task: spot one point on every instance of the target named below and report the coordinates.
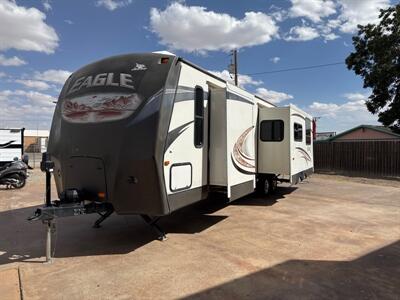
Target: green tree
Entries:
(377, 60)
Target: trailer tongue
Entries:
(72, 203)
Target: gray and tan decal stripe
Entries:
(175, 133)
(304, 152)
(185, 93)
(232, 96)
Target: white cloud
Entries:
(113, 4)
(30, 109)
(312, 9)
(330, 36)
(27, 97)
(338, 117)
(277, 13)
(34, 84)
(301, 33)
(11, 61)
(243, 80)
(275, 59)
(194, 29)
(24, 28)
(354, 12)
(329, 18)
(54, 76)
(69, 22)
(356, 96)
(2, 74)
(47, 5)
(272, 96)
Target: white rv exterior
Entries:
(230, 156)
(183, 134)
(11, 144)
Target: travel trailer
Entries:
(11, 144)
(151, 133)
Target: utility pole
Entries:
(233, 67)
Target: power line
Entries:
(296, 69)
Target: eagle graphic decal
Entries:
(99, 108)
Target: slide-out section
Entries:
(285, 143)
(232, 143)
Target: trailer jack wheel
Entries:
(153, 224)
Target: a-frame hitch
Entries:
(71, 205)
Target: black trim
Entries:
(187, 197)
(14, 146)
(241, 189)
(170, 176)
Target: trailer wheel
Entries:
(274, 185)
(266, 185)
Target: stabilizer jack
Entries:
(153, 224)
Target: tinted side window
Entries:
(198, 117)
(308, 131)
(298, 132)
(272, 130)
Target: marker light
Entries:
(166, 163)
(101, 194)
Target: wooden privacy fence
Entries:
(362, 158)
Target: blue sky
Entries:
(41, 42)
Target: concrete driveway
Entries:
(328, 238)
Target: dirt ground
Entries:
(328, 238)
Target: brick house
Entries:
(365, 133)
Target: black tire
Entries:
(266, 186)
(274, 185)
(21, 181)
